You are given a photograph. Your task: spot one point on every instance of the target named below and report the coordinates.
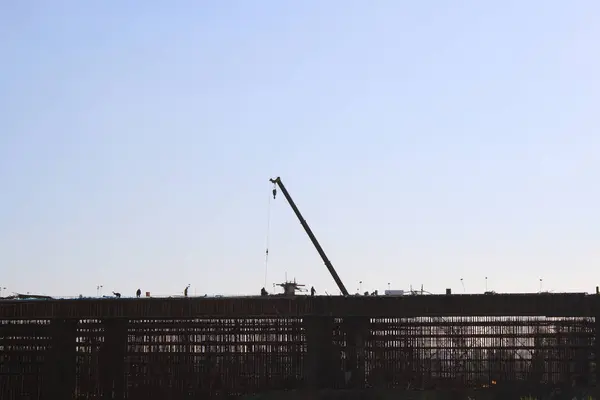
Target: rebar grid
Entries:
(206, 357)
(479, 352)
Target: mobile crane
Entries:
(277, 182)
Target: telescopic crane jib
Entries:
(313, 239)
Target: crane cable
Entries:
(267, 239)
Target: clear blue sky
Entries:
(424, 141)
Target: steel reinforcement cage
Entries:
(203, 347)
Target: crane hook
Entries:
(274, 192)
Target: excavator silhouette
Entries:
(290, 288)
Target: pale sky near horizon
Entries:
(424, 141)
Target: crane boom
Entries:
(313, 239)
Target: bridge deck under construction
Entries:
(209, 347)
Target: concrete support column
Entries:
(62, 360)
(596, 351)
(112, 358)
(356, 331)
(320, 368)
